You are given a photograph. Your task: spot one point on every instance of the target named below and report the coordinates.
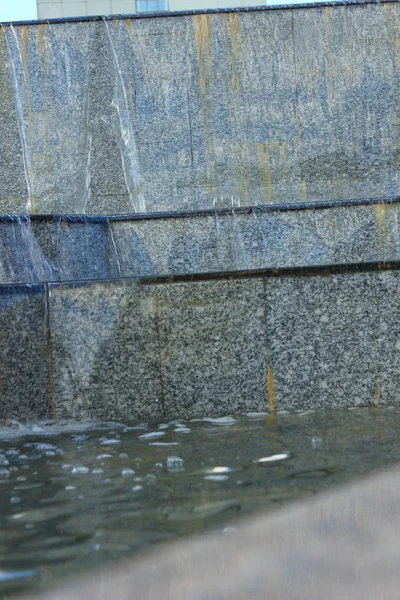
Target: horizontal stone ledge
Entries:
(206, 212)
(74, 248)
(197, 11)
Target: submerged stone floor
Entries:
(338, 546)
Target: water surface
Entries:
(77, 496)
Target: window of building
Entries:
(144, 6)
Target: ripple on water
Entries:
(75, 495)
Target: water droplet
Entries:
(12, 453)
(3, 461)
(15, 499)
(216, 477)
(97, 471)
(112, 442)
(137, 488)
(273, 458)
(220, 470)
(127, 472)
(164, 444)
(4, 473)
(152, 435)
(317, 442)
(103, 456)
(80, 469)
(123, 455)
(70, 487)
(66, 466)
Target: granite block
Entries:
(22, 259)
(41, 251)
(105, 351)
(13, 190)
(166, 246)
(49, 68)
(335, 236)
(320, 338)
(77, 251)
(384, 308)
(212, 346)
(24, 374)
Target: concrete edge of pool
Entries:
(339, 545)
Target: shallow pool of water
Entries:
(75, 496)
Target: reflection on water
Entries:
(75, 496)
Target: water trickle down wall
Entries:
(230, 120)
(172, 113)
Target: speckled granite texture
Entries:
(125, 349)
(200, 110)
(24, 367)
(212, 347)
(105, 351)
(61, 250)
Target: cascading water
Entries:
(127, 140)
(52, 111)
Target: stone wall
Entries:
(196, 346)
(200, 110)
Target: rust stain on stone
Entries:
(24, 45)
(42, 33)
(381, 221)
(269, 174)
(271, 390)
(234, 26)
(204, 54)
(129, 29)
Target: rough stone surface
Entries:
(105, 352)
(24, 373)
(126, 351)
(342, 545)
(384, 310)
(123, 350)
(321, 341)
(212, 347)
(193, 111)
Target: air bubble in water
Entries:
(79, 469)
(127, 472)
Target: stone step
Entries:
(198, 345)
(68, 248)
